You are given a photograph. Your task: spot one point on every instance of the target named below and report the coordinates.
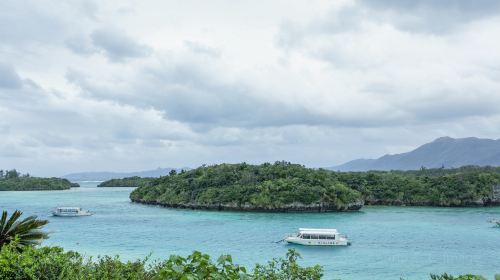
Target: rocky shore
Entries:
(294, 207)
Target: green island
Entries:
(287, 187)
(281, 187)
(22, 257)
(126, 182)
(11, 180)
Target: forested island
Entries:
(280, 187)
(287, 187)
(11, 180)
(126, 182)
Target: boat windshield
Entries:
(317, 236)
(68, 210)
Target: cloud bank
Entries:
(112, 85)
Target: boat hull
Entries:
(71, 214)
(317, 242)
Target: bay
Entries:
(387, 242)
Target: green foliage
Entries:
(127, 182)
(11, 182)
(467, 186)
(22, 233)
(10, 174)
(199, 266)
(281, 186)
(283, 269)
(461, 277)
(47, 263)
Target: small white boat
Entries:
(318, 237)
(70, 212)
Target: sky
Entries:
(134, 85)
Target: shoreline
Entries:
(295, 208)
(357, 209)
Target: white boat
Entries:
(70, 212)
(318, 237)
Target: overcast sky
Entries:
(134, 85)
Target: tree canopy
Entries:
(281, 186)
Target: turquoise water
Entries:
(388, 242)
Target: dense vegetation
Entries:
(11, 180)
(446, 276)
(127, 182)
(280, 186)
(466, 186)
(47, 263)
(284, 186)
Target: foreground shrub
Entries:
(288, 268)
(47, 263)
(461, 277)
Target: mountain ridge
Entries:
(445, 152)
(106, 175)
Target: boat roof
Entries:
(318, 230)
(68, 207)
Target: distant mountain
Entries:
(445, 151)
(103, 176)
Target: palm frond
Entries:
(26, 231)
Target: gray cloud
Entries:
(23, 24)
(432, 16)
(81, 45)
(117, 46)
(422, 16)
(188, 94)
(8, 77)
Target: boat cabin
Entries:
(318, 236)
(70, 212)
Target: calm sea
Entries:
(388, 242)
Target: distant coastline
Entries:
(11, 180)
(104, 176)
(130, 182)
